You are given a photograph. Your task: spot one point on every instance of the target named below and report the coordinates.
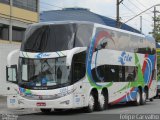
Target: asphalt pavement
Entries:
(113, 113)
(5, 110)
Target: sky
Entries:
(128, 9)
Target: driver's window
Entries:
(12, 74)
(78, 66)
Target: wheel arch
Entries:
(94, 92)
(105, 92)
(140, 89)
(146, 89)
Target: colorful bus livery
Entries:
(71, 64)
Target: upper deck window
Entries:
(52, 38)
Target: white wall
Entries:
(5, 49)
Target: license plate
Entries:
(41, 104)
(12, 101)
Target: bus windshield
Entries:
(49, 38)
(43, 73)
(56, 37)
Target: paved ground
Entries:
(113, 113)
(5, 110)
(3, 106)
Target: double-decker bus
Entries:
(71, 64)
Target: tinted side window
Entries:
(106, 40)
(122, 74)
(115, 73)
(83, 35)
(146, 50)
(130, 73)
(100, 73)
(78, 66)
(125, 42)
(106, 73)
(49, 38)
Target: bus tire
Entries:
(58, 110)
(138, 98)
(91, 104)
(143, 98)
(45, 110)
(103, 102)
(151, 99)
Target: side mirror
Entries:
(11, 74)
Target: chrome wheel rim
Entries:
(144, 96)
(102, 100)
(138, 97)
(91, 102)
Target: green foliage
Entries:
(156, 31)
(158, 65)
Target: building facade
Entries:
(15, 16)
(81, 14)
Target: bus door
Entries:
(78, 75)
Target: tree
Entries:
(156, 30)
(156, 35)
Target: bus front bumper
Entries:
(66, 102)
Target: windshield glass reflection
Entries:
(43, 72)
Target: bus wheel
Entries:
(103, 102)
(143, 98)
(59, 110)
(45, 110)
(138, 98)
(91, 104)
(151, 99)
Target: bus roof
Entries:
(85, 22)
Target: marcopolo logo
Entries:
(42, 55)
(124, 58)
